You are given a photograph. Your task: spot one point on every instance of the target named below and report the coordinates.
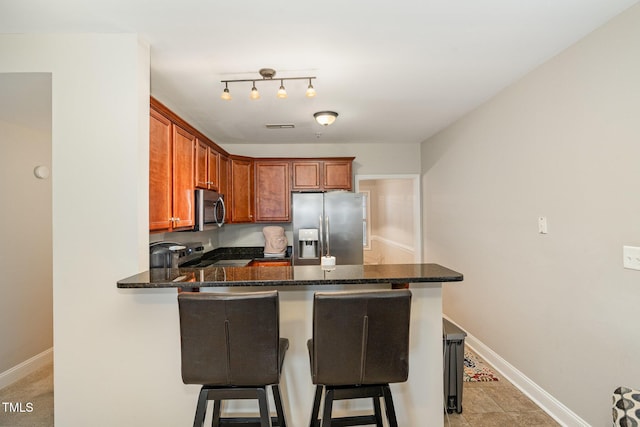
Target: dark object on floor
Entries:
(453, 341)
(360, 344)
(231, 345)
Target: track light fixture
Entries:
(311, 92)
(254, 92)
(267, 75)
(282, 92)
(225, 93)
(325, 118)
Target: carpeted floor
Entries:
(29, 401)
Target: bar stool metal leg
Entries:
(377, 411)
(277, 398)
(328, 405)
(316, 407)
(265, 419)
(217, 406)
(388, 404)
(201, 408)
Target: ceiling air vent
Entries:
(281, 126)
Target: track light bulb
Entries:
(282, 92)
(311, 92)
(226, 95)
(254, 92)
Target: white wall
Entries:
(26, 302)
(564, 142)
(107, 342)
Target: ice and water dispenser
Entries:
(308, 243)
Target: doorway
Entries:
(26, 251)
(391, 225)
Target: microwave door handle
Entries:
(220, 221)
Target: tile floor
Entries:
(497, 404)
(484, 404)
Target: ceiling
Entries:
(396, 72)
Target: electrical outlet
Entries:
(631, 257)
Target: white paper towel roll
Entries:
(328, 261)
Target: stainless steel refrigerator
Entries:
(327, 224)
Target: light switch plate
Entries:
(631, 257)
(542, 225)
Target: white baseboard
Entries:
(542, 398)
(23, 369)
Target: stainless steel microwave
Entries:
(210, 210)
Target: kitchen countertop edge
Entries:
(305, 276)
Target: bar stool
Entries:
(360, 345)
(231, 345)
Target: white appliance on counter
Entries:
(327, 225)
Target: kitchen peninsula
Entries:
(419, 401)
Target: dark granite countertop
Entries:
(310, 275)
(246, 253)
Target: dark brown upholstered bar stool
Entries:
(360, 344)
(231, 345)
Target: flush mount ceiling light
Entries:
(267, 74)
(325, 118)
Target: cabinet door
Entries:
(225, 169)
(213, 179)
(183, 173)
(306, 175)
(159, 172)
(241, 190)
(337, 175)
(272, 191)
(201, 166)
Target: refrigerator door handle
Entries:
(326, 220)
(321, 254)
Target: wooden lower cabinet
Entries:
(273, 195)
(241, 198)
(279, 263)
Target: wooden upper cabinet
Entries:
(224, 165)
(201, 172)
(241, 199)
(171, 172)
(272, 191)
(322, 175)
(306, 175)
(183, 173)
(160, 170)
(213, 168)
(337, 175)
(206, 166)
